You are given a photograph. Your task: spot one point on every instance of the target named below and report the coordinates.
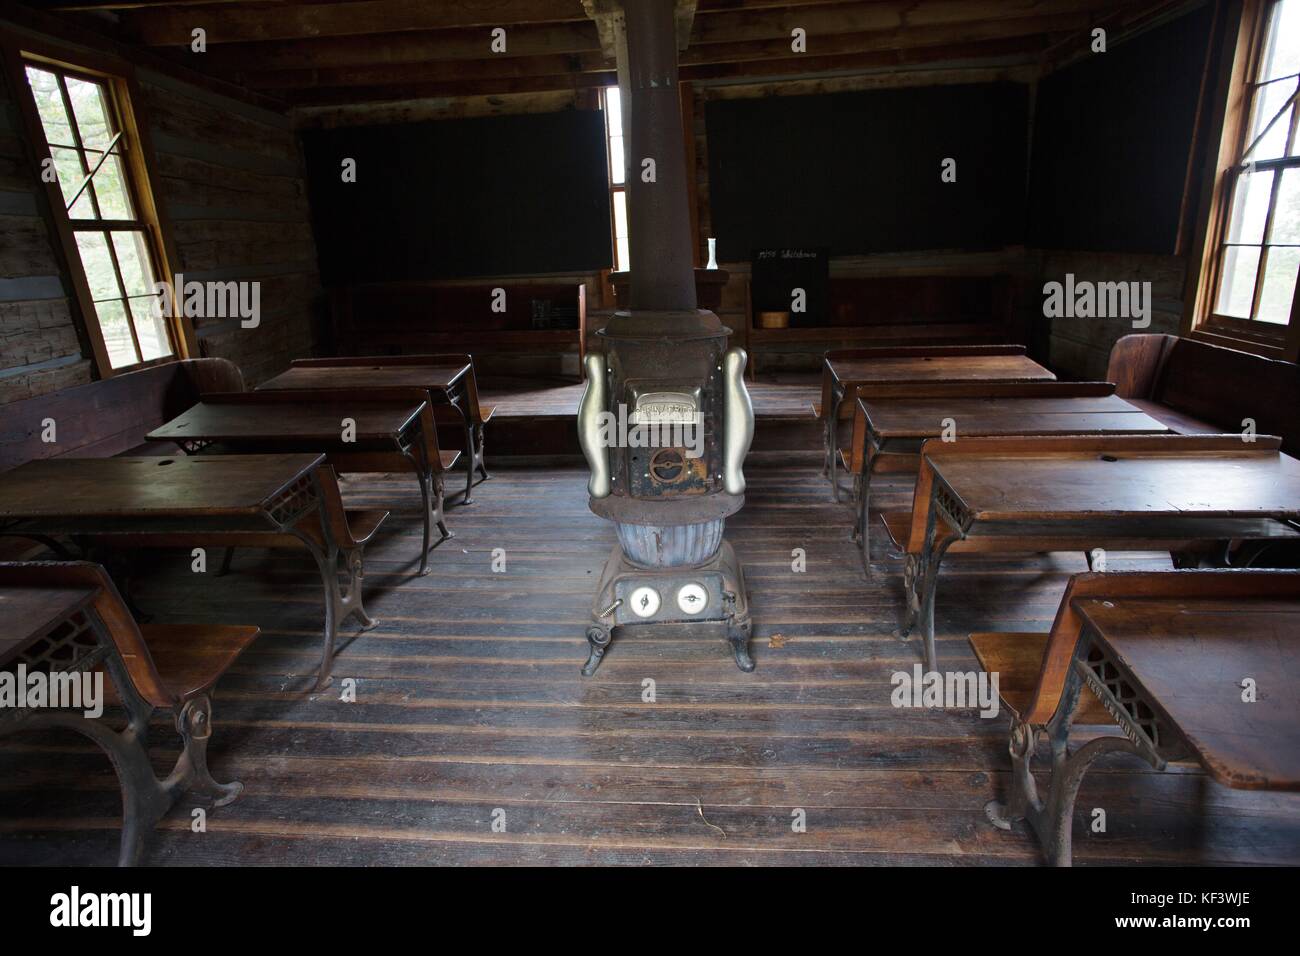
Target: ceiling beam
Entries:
(1027, 46)
(232, 23)
(766, 51)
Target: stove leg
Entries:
(738, 634)
(598, 636)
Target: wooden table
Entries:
(843, 371)
(165, 502)
(248, 421)
(1166, 655)
(889, 432)
(1078, 493)
(449, 384)
(68, 619)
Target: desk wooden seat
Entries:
(843, 370)
(393, 431)
(67, 617)
(1124, 492)
(448, 378)
(890, 422)
(1162, 655)
(272, 501)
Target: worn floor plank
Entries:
(469, 702)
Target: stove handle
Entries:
(738, 421)
(595, 401)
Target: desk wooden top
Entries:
(149, 486)
(1190, 656)
(248, 421)
(438, 378)
(1083, 484)
(29, 612)
(1073, 415)
(938, 368)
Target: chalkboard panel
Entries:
(1112, 135)
(776, 273)
(860, 172)
(511, 195)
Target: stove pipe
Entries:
(666, 420)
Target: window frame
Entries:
(614, 188)
(1243, 49)
(117, 76)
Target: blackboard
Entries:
(860, 172)
(493, 196)
(775, 273)
(1112, 137)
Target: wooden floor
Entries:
(470, 707)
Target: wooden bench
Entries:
(1196, 387)
(394, 432)
(1162, 655)
(65, 618)
(1186, 494)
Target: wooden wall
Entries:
(39, 347)
(228, 178)
(231, 183)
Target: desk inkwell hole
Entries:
(165, 461)
(1109, 458)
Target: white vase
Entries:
(713, 254)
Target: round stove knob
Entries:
(692, 599)
(644, 601)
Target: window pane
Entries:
(1250, 207)
(49, 104)
(67, 163)
(116, 332)
(616, 160)
(620, 213)
(1237, 285)
(151, 330)
(98, 265)
(132, 250)
(110, 188)
(624, 260)
(614, 109)
(1279, 285)
(90, 108)
(1268, 100)
(1286, 214)
(1282, 48)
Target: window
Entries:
(1258, 252)
(612, 105)
(114, 241)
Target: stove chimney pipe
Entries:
(662, 267)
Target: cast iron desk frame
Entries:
(78, 641)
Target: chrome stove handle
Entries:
(738, 421)
(595, 400)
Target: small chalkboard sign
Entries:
(792, 280)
